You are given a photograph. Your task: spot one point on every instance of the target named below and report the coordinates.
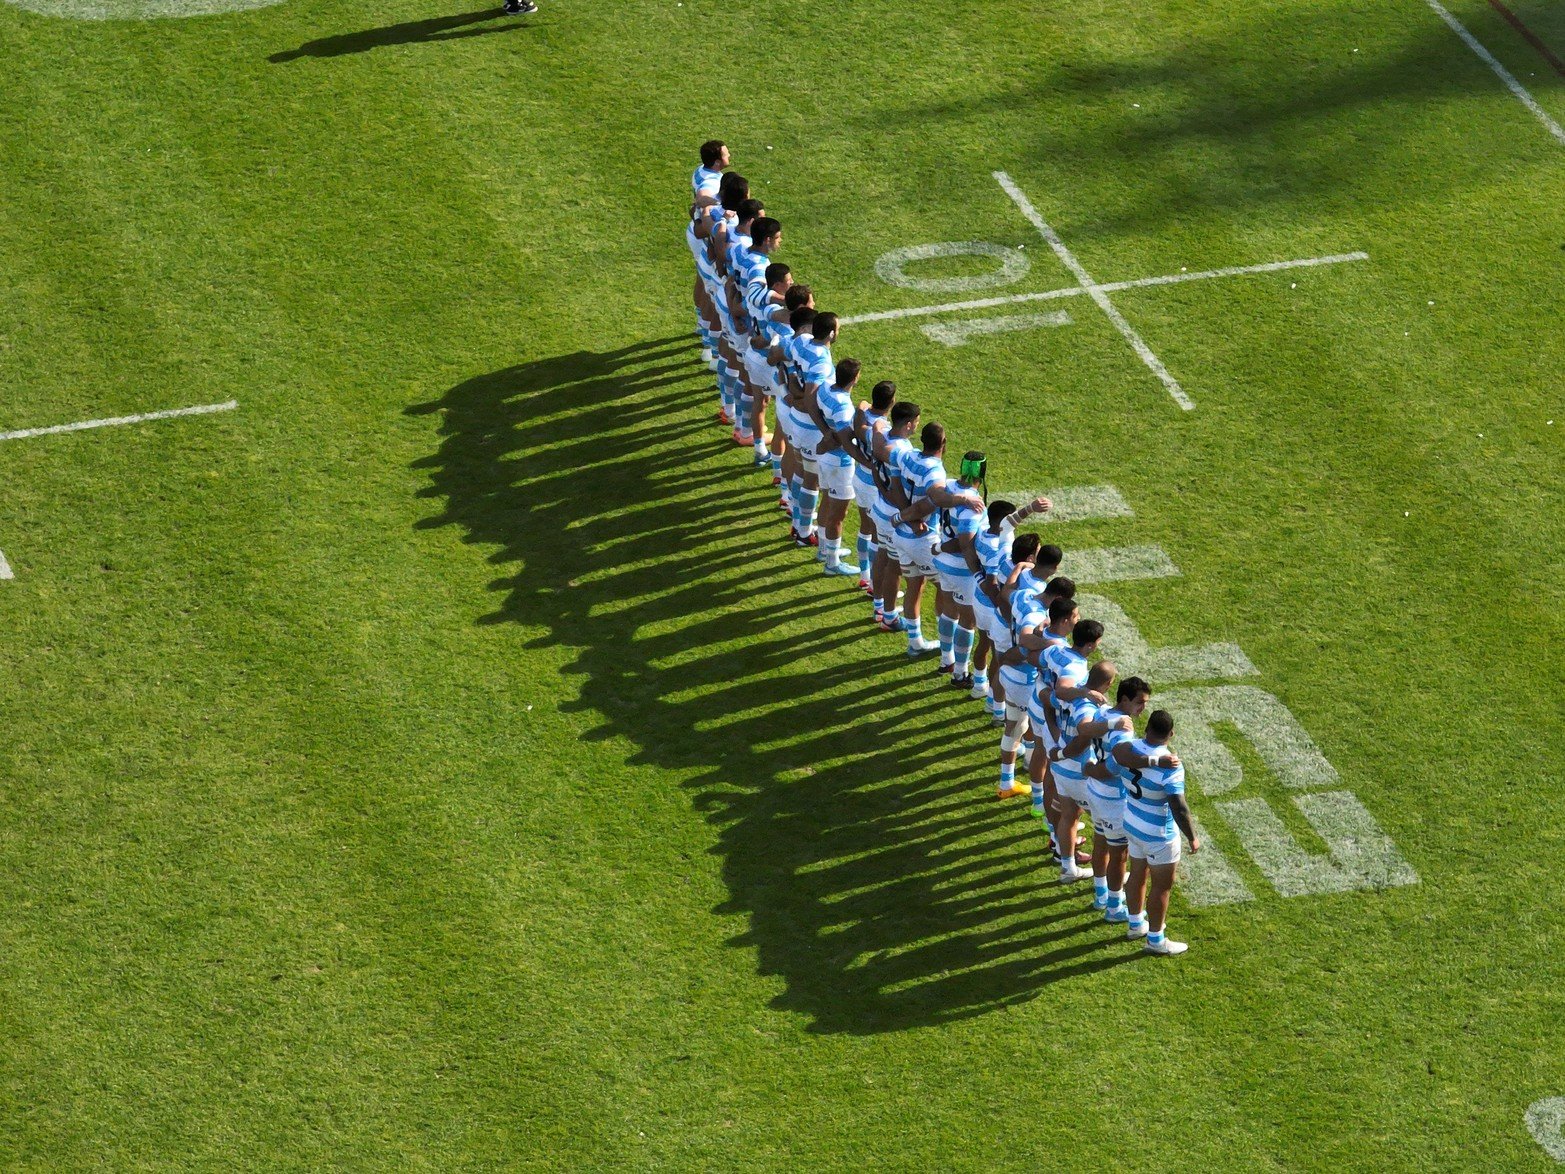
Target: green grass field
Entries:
(442, 761)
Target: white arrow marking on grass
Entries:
(1500, 71)
(1115, 564)
(1074, 503)
(112, 421)
(1076, 291)
(959, 333)
(1094, 290)
(5, 567)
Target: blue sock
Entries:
(776, 465)
(1037, 800)
(808, 500)
(1137, 920)
(725, 386)
(864, 557)
(961, 648)
(1116, 900)
(795, 490)
(946, 626)
(1100, 889)
(1156, 936)
(1007, 775)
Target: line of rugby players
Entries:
(1009, 632)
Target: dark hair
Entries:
(903, 412)
(711, 151)
(775, 272)
(1087, 632)
(999, 511)
(1161, 724)
(796, 296)
(932, 436)
(1131, 688)
(825, 324)
(733, 191)
(1050, 556)
(1061, 609)
(847, 371)
(765, 226)
(801, 319)
(1060, 586)
(882, 395)
(749, 210)
(1023, 547)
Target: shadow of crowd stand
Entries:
(851, 797)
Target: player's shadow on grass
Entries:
(852, 797)
(412, 32)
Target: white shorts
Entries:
(917, 555)
(1018, 684)
(1155, 851)
(865, 497)
(762, 374)
(1108, 818)
(836, 478)
(1073, 789)
(959, 587)
(1016, 715)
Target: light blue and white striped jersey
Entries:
(957, 520)
(1114, 789)
(1074, 769)
(1027, 611)
(815, 362)
(920, 473)
(705, 182)
(994, 550)
(1040, 697)
(837, 406)
(1065, 666)
(898, 448)
(713, 215)
(872, 421)
(1147, 813)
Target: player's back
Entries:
(1147, 790)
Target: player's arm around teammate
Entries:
(1155, 816)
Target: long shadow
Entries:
(412, 32)
(852, 798)
(1202, 129)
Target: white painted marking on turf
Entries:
(1362, 856)
(1233, 271)
(1111, 564)
(1500, 71)
(960, 332)
(1084, 279)
(1546, 1122)
(137, 9)
(1073, 503)
(5, 567)
(1014, 265)
(1206, 877)
(1076, 291)
(1270, 726)
(1124, 644)
(113, 421)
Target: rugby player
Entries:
(872, 418)
(1155, 815)
(837, 453)
(1069, 665)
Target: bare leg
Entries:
(1157, 899)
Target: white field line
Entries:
(964, 330)
(1500, 71)
(1094, 291)
(5, 567)
(1075, 291)
(112, 421)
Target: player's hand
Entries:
(1171, 759)
(1041, 505)
(1123, 723)
(971, 500)
(863, 405)
(1195, 846)
(1098, 697)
